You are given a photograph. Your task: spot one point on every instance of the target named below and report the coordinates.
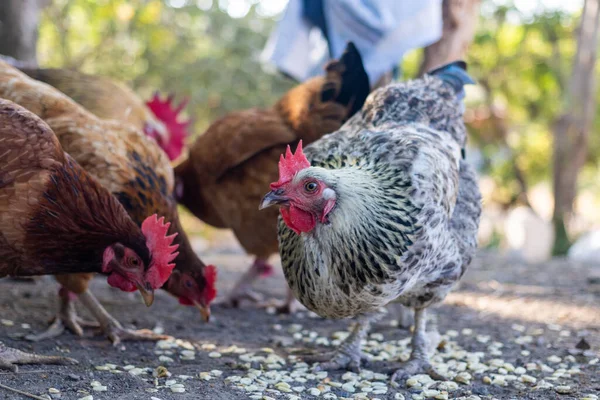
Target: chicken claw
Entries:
(414, 367)
(10, 358)
(348, 355)
(289, 306)
(111, 327)
(117, 334)
(422, 346)
(239, 293)
(66, 319)
(242, 289)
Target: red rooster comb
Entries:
(210, 291)
(290, 165)
(168, 114)
(161, 250)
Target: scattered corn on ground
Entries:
(509, 332)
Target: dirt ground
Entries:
(505, 314)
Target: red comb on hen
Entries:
(210, 291)
(290, 165)
(161, 249)
(168, 114)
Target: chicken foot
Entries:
(243, 288)
(66, 319)
(111, 327)
(422, 348)
(10, 358)
(289, 306)
(348, 355)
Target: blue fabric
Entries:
(455, 74)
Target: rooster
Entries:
(57, 219)
(132, 167)
(106, 98)
(229, 165)
(385, 209)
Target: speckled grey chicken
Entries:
(385, 209)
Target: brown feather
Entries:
(231, 165)
(118, 155)
(104, 97)
(55, 217)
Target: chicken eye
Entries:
(188, 284)
(310, 186)
(134, 261)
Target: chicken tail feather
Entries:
(347, 81)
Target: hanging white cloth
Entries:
(382, 30)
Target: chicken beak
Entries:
(273, 198)
(204, 310)
(147, 293)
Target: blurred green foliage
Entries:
(195, 48)
(522, 68)
(189, 48)
(522, 63)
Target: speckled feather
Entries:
(407, 211)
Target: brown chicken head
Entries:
(195, 288)
(146, 269)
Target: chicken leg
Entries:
(348, 355)
(422, 347)
(66, 319)
(10, 358)
(243, 288)
(289, 306)
(405, 316)
(110, 326)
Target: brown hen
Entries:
(231, 165)
(56, 219)
(132, 168)
(109, 99)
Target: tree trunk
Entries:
(460, 20)
(571, 129)
(19, 28)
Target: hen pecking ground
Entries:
(511, 331)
